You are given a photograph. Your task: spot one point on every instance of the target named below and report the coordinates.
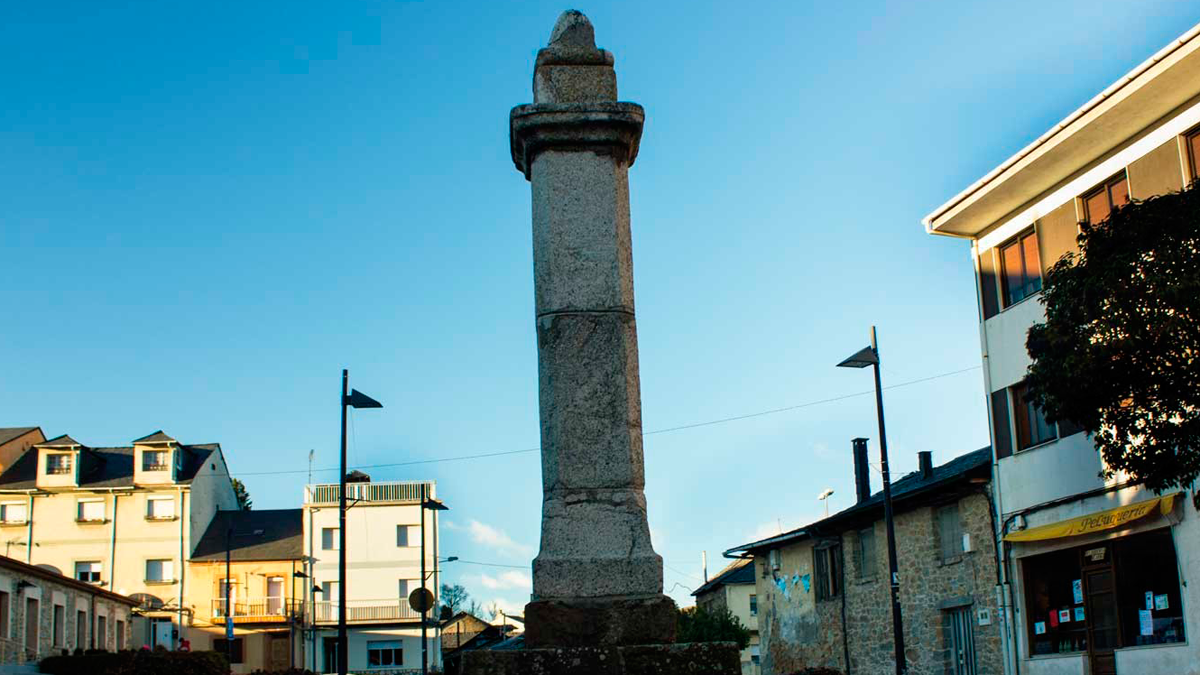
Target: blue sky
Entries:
(209, 211)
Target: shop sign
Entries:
(1096, 522)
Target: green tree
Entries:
(711, 625)
(243, 495)
(1118, 353)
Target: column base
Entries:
(600, 622)
(701, 658)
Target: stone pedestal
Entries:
(714, 658)
(596, 579)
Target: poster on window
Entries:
(1079, 614)
(1149, 599)
(1161, 602)
(1064, 616)
(1077, 591)
(1039, 628)
(1146, 621)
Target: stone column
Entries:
(596, 580)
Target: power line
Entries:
(696, 425)
(472, 562)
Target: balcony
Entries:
(261, 610)
(365, 611)
(385, 493)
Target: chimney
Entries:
(925, 459)
(862, 475)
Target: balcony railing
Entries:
(363, 611)
(258, 610)
(396, 492)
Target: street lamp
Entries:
(353, 399)
(869, 356)
(229, 535)
(824, 497)
(430, 504)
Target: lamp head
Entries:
(861, 359)
(826, 494)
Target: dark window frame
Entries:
(64, 460)
(148, 465)
(865, 557)
(753, 604)
(375, 656)
(1026, 438)
(827, 571)
(1030, 273)
(950, 542)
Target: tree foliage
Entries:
(1118, 353)
(243, 495)
(454, 599)
(711, 625)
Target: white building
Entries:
(383, 566)
(1095, 572)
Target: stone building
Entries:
(66, 614)
(1095, 567)
(822, 593)
(733, 588)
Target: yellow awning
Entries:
(1097, 522)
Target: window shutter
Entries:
(1001, 435)
(987, 284)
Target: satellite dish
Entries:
(421, 600)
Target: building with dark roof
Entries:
(266, 584)
(126, 517)
(822, 591)
(14, 441)
(733, 589)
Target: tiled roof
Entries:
(740, 571)
(156, 437)
(10, 433)
(110, 467)
(63, 441)
(273, 534)
(908, 492)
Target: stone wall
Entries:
(798, 631)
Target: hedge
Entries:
(142, 662)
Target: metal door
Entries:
(162, 633)
(962, 641)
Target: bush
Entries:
(819, 670)
(704, 625)
(143, 662)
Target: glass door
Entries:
(1103, 627)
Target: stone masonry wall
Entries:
(799, 631)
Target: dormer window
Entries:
(156, 460)
(57, 465)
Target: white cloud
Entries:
(498, 540)
(510, 607)
(506, 580)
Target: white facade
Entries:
(1140, 132)
(383, 565)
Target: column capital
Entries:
(596, 126)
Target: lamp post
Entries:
(353, 399)
(229, 535)
(824, 497)
(869, 356)
(431, 504)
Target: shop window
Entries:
(827, 563)
(1032, 426)
(1099, 203)
(1124, 593)
(221, 646)
(1021, 268)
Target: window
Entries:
(827, 563)
(221, 646)
(384, 653)
(88, 571)
(32, 627)
(91, 511)
(1020, 268)
(160, 571)
(1099, 203)
(329, 538)
(950, 532)
(58, 464)
(865, 554)
(221, 591)
(405, 588)
(1032, 426)
(59, 626)
(155, 460)
(4, 600)
(754, 654)
(120, 634)
(1193, 152)
(408, 535)
(80, 629)
(14, 513)
(160, 508)
(102, 632)
(753, 605)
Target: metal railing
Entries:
(365, 610)
(395, 492)
(261, 609)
